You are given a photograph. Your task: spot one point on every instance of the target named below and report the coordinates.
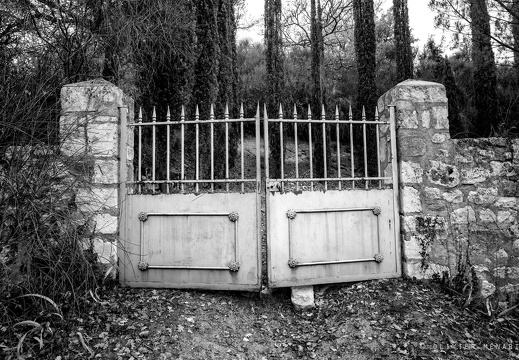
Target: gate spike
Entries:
(241, 111)
(140, 115)
(154, 115)
(226, 112)
(295, 112)
(309, 112)
(350, 114)
(197, 113)
(280, 111)
(323, 112)
(337, 112)
(211, 112)
(363, 114)
(265, 115)
(376, 113)
(182, 113)
(258, 110)
(168, 115)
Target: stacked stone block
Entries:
(90, 136)
(458, 198)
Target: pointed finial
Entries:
(182, 113)
(376, 112)
(309, 112)
(350, 113)
(323, 112)
(241, 110)
(280, 111)
(154, 115)
(197, 113)
(295, 112)
(265, 115)
(258, 110)
(168, 115)
(363, 113)
(337, 112)
(226, 112)
(140, 115)
(211, 112)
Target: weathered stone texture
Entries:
(89, 130)
(472, 182)
(303, 297)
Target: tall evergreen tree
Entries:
(275, 78)
(404, 55)
(485, 81)
(365, 51)
(318, 90)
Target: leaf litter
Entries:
(381, 319)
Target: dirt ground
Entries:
(383, 319)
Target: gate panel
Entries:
(192, 232)
(337, 228)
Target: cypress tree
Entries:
(404, 55)
(206, 87)
(275, 79)
(365, 51)
(485, 81)
(318, 91)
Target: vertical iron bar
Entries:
(323, 117)
(182, 153)
(211, 117)
(242, 150)
(258, 152)
(226, 116)
(168, 132)
(281, 152)
(153, 138)
(352, 161)
(139, 120)
(296, 147)
(197, 150)
(310, 147)
(378, 147)
(338, 146)
(266, 145)
(394, 165)
(365, 145)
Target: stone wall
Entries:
(90, 135)
(458, 198)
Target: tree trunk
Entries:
(365, 51)
(275, 78)
(485, 82)
(318, 91)
(404, 55)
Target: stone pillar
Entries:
(89, 132)
(423, 143)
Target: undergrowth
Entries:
(48, 267)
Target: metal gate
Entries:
(340, 226)
(195, 226)
(199, 225)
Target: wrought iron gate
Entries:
(192, 228)
(340, 226)
(193, 225)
